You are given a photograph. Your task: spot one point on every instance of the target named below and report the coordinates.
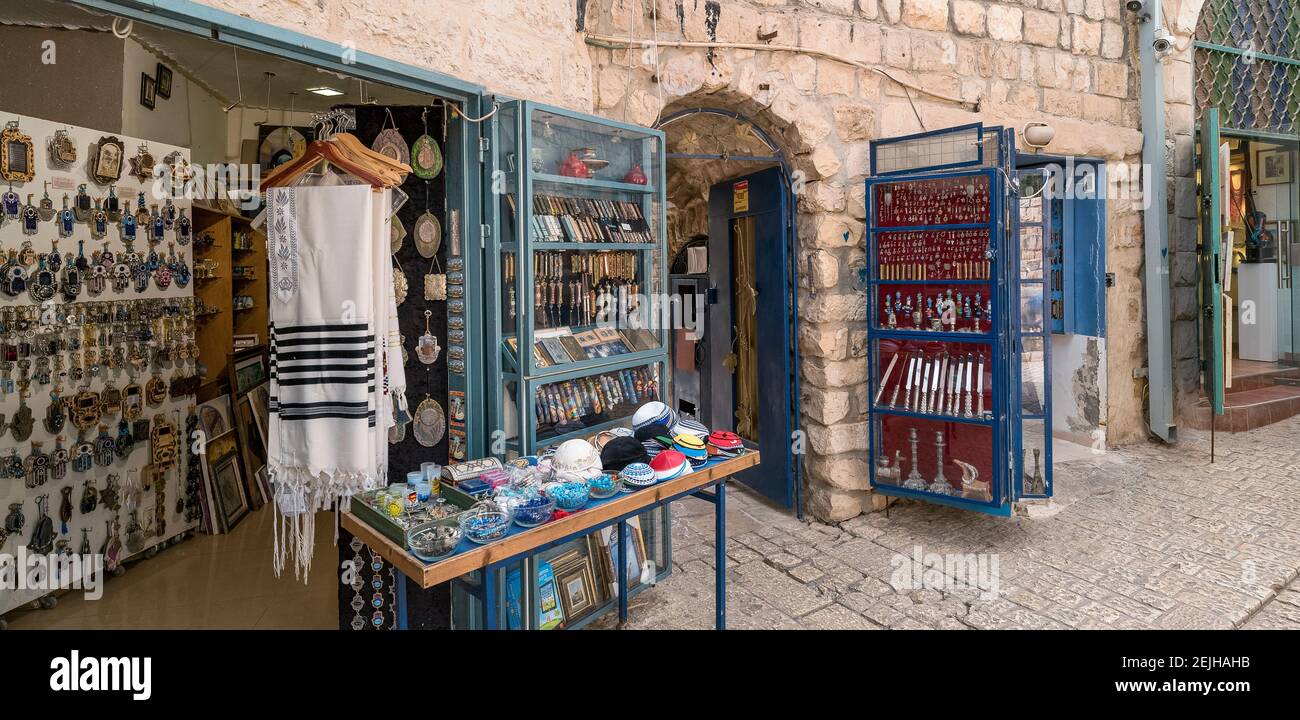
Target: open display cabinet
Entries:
(958, 365)
(580, 260)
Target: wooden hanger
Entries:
(366, 169)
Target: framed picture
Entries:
(1273, 166)
(17, 158)
(575, 583)
(164, 75)
(634, 555)
(243, 342)
(247, 370)
(214, 416)
(254, 450)
(223, 477)
(260, 397)
(148, 89)
(107, 165)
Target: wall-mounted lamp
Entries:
(1038, 135)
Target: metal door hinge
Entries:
(484, 232)
(484, 144)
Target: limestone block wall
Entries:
(1071, 63)
(522, 49)
(1068, 62)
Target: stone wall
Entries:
(1067, 62)
(1071, 63)
(521, 49)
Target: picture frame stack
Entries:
(233, 415)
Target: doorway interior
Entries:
(1262, 381)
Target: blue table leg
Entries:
(622, 573)
(490, 597)
(403, 623)
(720, 556)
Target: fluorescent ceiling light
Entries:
(325, 90)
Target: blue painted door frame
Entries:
(768, 201)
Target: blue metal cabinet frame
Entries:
(512, 138)
(1004, 336)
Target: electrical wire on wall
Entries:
(627, 43)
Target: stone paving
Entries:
(1146, 536)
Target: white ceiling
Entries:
(212, 64)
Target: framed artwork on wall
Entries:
(248, 369)
(148, 90)
(1273, 166)
(164, 75)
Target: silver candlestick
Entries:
(914, 480)
(940, 485)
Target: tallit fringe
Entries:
(295, 535)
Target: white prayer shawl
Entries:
(331, 310)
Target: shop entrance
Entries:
(1253, 346)
(732, 231)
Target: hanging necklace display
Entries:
(184, 228)
(111, 497)
(89, 497)
(155, 391)
(142, 164)
(17, 158)
(30, 217)
(157, 225)
(82, 205)
(71, 281)
(65, 510)
(13, 276)
(396, 234)
(105, 448)
(399, 283)
(112, 550)
(41, 541)
(43, 283)
(86, 409)
(428, 231)
(113, 206)
(98, 222)
(162, 442)
(389, 141)
(55, 416)
(426, 348)
(59, 460)
(106, 166)
(169, 214)
(134, 533)
(67, 219)
(180, 270)
(46, 210)
(125, 441)
(23, 422)
(37, 468)
(430, 422)
(426, 156)
(62, 150)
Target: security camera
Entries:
(1163, 43)
(1135, 6)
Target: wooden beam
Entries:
(428, 575)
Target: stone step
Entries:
(1255, 379)
(1250, 409)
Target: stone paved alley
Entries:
(1140, 537)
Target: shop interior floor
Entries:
(207, 582)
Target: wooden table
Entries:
(614, 512)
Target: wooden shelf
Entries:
(216, 341)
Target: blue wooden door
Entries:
(750, 226)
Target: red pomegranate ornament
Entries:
(636, 176)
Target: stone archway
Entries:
(823, 115)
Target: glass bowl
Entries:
(484, 526)
(533, 511)
(606, 485)
(569, 496)
(433, 541)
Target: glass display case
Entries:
(957, 372)
(579, 261)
